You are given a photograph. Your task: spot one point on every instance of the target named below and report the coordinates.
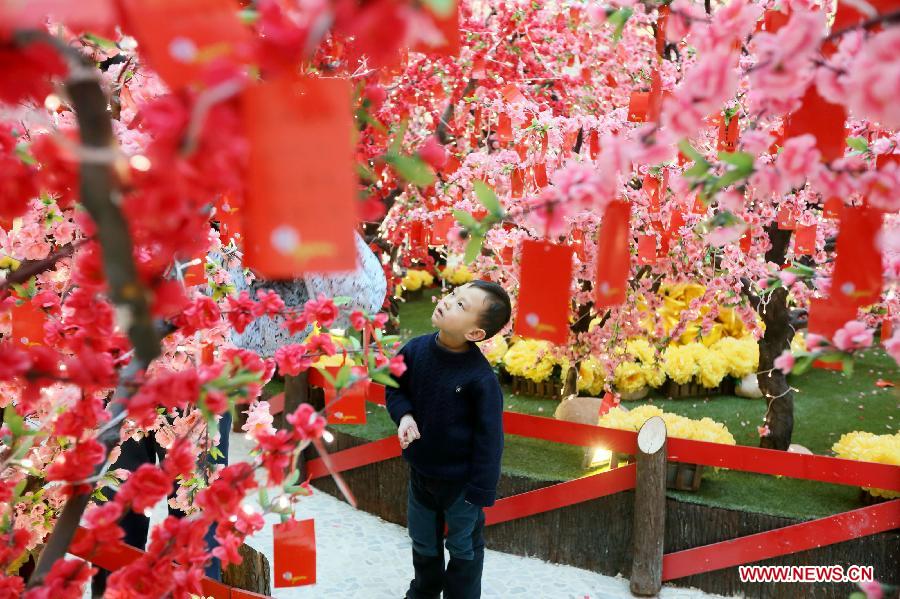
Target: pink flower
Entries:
(292, 359)
(358, 320)
(763, 430)
(873, 82)
(259, 420)
(322, 310)
(798, 160)
(854, 335)
(397, 366)
(785, 362)
(872, 589)
(241, 311)
(308, 424)
(581, 185)
(321, 344)
(433, 153)
(787, 278)
(270, 303)
(892, 346)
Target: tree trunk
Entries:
(252, 574)
(649, 509)
(777, 338)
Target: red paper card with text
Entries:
(773, 20)
(858, 272)
(637, 107)
(504, 128)
(517, 182)
(295, 553)
(887, 329)
(646, 249)
(728, 134)
(180, 38)
(350, 408)
(746, 241)
(785, 218)
(833, 207)
(613, 257)
(544, 302)
(301, 211)
(229, 219)
(540, 175)
(805, 240)
(824, 120)
(660, 33)
(651, 187)
(28, 324)
(194, 273)
(594, 144)
(207, 354)
(827, 316)
(440, 229)
(654, 100)
(376, 393)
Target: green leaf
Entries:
(413, 170)
(473, 248)
(858, 143)
(326, 375)
(619, 18)
(698, 171)
(24, 156)
(342, 300)
(216, 453)
(343, 377)
(848, 366)
(740, 160)
(248, 16)
(465, 219)
(100, 41)
(397, 142)
(487, 197)
(688, 150)
(365, 173)
(442, 8)
(380, 376)
(832, 356)
(292, 478)
(263, 497)
(13, 421)
(801, 365)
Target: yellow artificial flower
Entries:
(869, 447)
(494, 349)
(679, 363)
(741, 354)
(629, 377)
(713, 367)
(677, 426)
(415, 279)
(457, 275)
(530, 358)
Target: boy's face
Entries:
(458, 313)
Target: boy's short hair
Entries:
(497, 310)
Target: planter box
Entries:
(671, 389)
(548, 389)
(679, 476)
(866, 498)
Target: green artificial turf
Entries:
(827, 405)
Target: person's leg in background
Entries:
(136, 526)
(426, 529)
(465, 543)
(214, 569)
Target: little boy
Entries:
(449, 410)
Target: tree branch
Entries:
(884, 19)
(31, 268)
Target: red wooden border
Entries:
(363, 455)
(112, 556)
(783, 541)
(561, 495)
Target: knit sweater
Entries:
(457, 403)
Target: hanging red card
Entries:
(660, 33)
(746, 241)
(728, 134)
(785, 218)
(887, 329)
(805, 240)
(418, 236)
(517, 182)
(773, 20)
(28, 324)
(646, 249)
(857, 278)
(301, 211)
(350, 408)
(698, 206)
(194, 273)
(651, 187)
(824, 120)
(506, 255)
(96, 16)
(654, 100)
(295, 553)
(540, 175)
(594, 144)
(545, 301)
(613, 257)
(180, 38)
(448, 26)
(847, 14)
(207, 354)
(827, 316)
(229, 219)
(833, 207)
(637, 107)
(440, 229)
(504, 132)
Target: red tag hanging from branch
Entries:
(594, 144)
(827, 316)
(229, 219)
(746, 241)
(857, 277)
(654, 100)
(637, 107)
(516, 182)
(295, 553)
(785, 218)
(833, 207)
(728, 134)
(805, 240)
(651, 188)
(823, 120)
(613, 258)
(544, 299)
(540, 175)
(440, 230)
(646, 249)
(660, 34)
(350, 408)
(28, 324)
(504, 132)
(301, 210)
(181, 38)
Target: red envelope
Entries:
(350, 408)
(180, 38)
(28, 324)
(579, 243)
(646, 249)
(824, 120)
(195, 273)
(207, 354)
(805, 240)
(295, 553)
(654, 100)
(506, 255)
(826, 316)
(785, 218)
(833, 207)
(613, 257)
(651, 187)
(376, 393)
(544, 302)
(594, 144)
(504, 132)
(857, 277)
(540, 175)
(517, 183)
(301, 209)
(440, 229)
(847, 15)
(746, 241)
(637, 107)
(728, 134)
(773, 20)
(449, 29)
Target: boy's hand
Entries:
(408, 431)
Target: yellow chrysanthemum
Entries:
(713, 367)
(457, 275)
(494, 349)
(869, 447)
(741, 354)
(530, 358)
(705, 429)
(679, 363)
(629, 377)
(416, 279)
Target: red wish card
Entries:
(350, 408)
(746, 241)
(728, 134)
(194, 273)
(544, 284)
(517, 182)
(827, 316)
(646, 249)
(654, 100)
(97, 16)
(504, 128)
(823, 120)
(28, 324)
(857, 277)
(301, 208)
(180, 38)
(594, 144)
(613, 258)
(805, 240)
(440, 229)
(786, 219)
(447, 25)
(229, 219)
(295, 553)
(660, 34)
(833, 207)
(637, 107)
(651, 188)
(540, 175)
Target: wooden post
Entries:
(252, 574)
(649, 509)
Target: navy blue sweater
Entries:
(457, 404)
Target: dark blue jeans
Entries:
(137, 526)
(432, 504)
